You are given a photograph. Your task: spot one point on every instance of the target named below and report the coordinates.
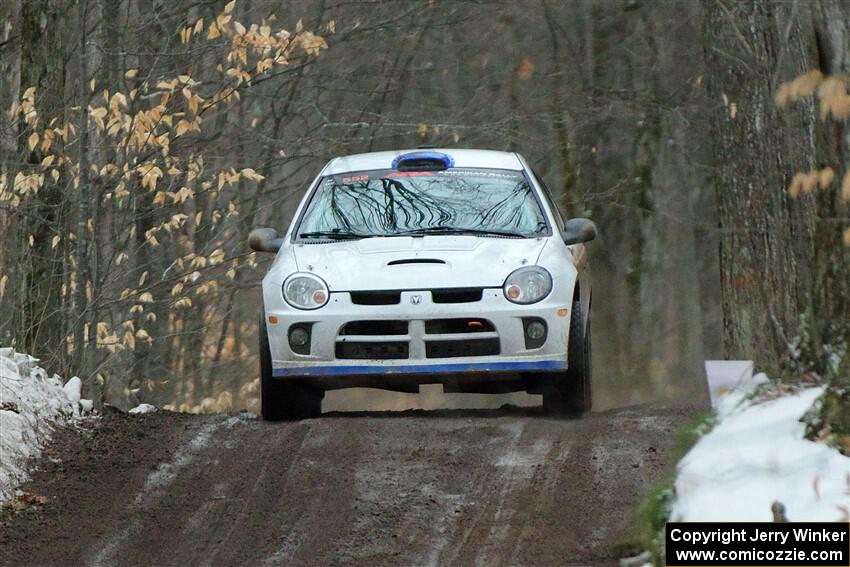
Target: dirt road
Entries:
(417, 488)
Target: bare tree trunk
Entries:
(10, 90)
(81, 233)
(784, 280)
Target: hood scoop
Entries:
(406, 261)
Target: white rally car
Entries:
(426, 266)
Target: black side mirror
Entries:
(579, 230)
(264, 240)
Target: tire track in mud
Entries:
(508, 487)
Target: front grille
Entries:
(376, 297)
(393, 297)
(469, 347)
(457, 295)
(375, 351)
(374, 328)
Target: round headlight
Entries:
(305, 291)
(528, 285)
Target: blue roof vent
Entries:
(425, 160)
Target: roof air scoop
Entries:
(424, 160)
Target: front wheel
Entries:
(280, 399)
(569, 392)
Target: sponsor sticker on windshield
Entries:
(360, 179)
(410, 173)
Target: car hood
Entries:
(417, 262)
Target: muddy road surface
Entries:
(508, 487)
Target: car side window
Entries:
(551, 201)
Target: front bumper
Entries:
(417, 308)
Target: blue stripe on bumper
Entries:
(421, 368)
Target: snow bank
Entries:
(31, 405)
(143, 408)
(756, 455)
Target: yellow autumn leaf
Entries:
(213, 32)
(217, 257)
(249, 173)
(131, 73)
(240, 29)
(150, 176)
(150, 237)
(199, 26)
(182, 195)
(130, 340)
(32, 141)
(55, 241)
(98, 112)
(845, 188)
(183, 126)
(146, 297)
(229, 6)
(3, 281)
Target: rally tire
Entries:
(569, 393)
(282, 400)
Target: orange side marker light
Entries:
(272, 319)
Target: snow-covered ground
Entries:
(756, 455)
(143, 408)
(31, 405)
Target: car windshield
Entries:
(454, 201)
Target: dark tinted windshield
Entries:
(388, 202)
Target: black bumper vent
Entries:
(454, 349)
(446, 326)
(373, 351)
(374, 328)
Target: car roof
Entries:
(462, 158)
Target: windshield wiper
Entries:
(457, 230)
(335, 234)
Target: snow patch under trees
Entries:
(143, 408)
(32, 404)
(757, 455)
